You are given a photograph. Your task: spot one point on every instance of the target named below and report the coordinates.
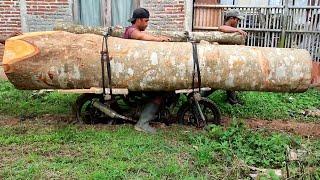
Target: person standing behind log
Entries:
(139, 21)
(232, 20)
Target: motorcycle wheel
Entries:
(209, 109)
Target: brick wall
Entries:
(9, 17)
(166, 14)
(37, 15)
(41, 15)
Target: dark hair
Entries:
(139, 13)
(228, 18)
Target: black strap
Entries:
(105, 59)
(196, 67)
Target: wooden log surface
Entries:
(176, 36)
(62, 60)
(1, 51)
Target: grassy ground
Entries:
(257, 104)
(42, 148)
(34, 150)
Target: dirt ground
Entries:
(310, 129)
(2, 74)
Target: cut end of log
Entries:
(315, 82)
(17, 49)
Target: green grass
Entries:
(15, 102)
(37, 149)
(256, 104)
(270, 106)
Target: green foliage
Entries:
(28, 103)
(256, 104)
(47, 152)
(259, 149)
(36, 150)
(42, 151)
(270, 106)
(270, 175)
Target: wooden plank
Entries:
(207, 17)
(93, 90)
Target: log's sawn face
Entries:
(72, 61)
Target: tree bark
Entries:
(62, 60)
(176, 36)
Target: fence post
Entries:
(284, 23)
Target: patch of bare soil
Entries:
(9, 121)
(43, 120)
(309, 129)
(2, 74)
(303, 129)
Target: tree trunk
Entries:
(176, 36)
(62, 60)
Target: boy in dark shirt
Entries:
(139, 21)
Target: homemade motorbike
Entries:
(113, 108)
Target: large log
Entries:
(62, 60)
(176, 36)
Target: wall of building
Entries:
(32, 15)
(165, 14)
(41, 15)
(9, 16)
(9, 20)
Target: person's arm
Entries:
(147, 37)
(229, 29)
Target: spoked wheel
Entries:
(85, 112)
(189, 116)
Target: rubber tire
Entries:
(80, 102)
(204, 103)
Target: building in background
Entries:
(35, 15)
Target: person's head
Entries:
(233, 17)
(140, 18)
